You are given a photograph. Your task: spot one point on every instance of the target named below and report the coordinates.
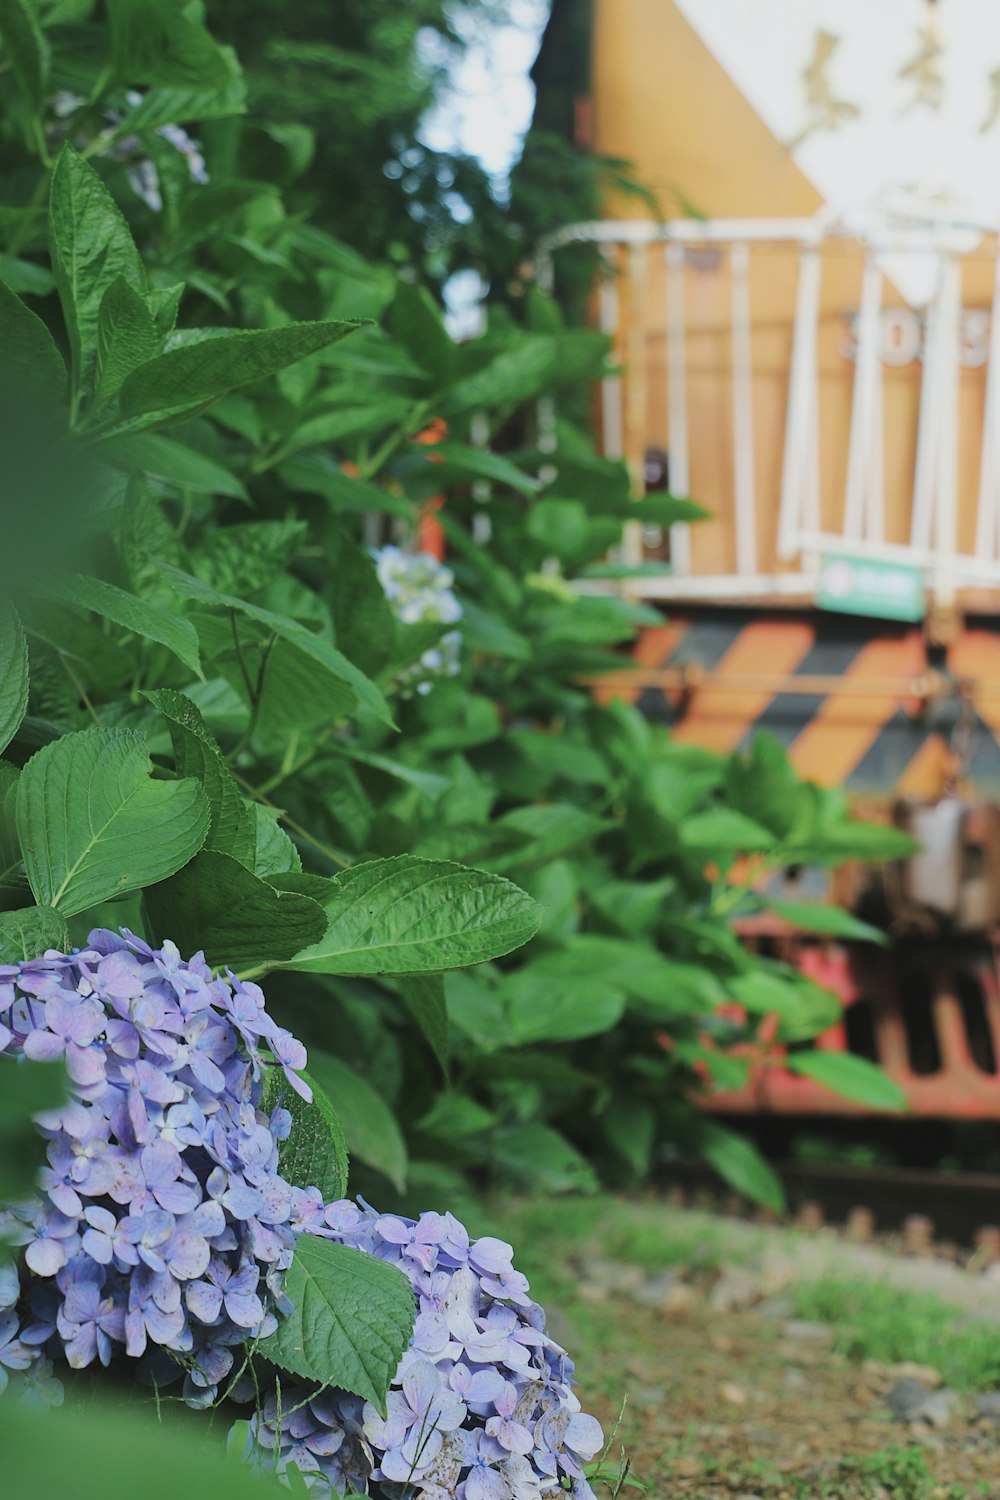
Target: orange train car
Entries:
(812, 351)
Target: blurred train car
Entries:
(808, 343)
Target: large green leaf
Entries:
(91, 246)
(32, 365)
(351, 1318)
(408, 915)
(740, 1164)
(27, 932)
(93, 824)
(315, 1153)
(373, 1135)
(193, 374)
(26, 49)
(543, 1158)
(151, 621)
(13, 674)
(196, 753)
(274, 852)
(216, 904)
(853, 1077)
(126, 338)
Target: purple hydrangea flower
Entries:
(162, 1223)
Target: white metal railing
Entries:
(787, 562)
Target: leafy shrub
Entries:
(218, 411)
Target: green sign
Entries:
(860, 586)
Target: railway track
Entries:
(956, 1215)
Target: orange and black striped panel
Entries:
(862, 727)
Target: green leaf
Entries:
(831, 920)
(174, 463)
(539, 1009)
(315, 1153)
(26, 1088)
(126, 338)
(151, 621)
(373, 1135)
(351, 1318)
(315, 648)
(274, 852)
(423, 997)
(192, 375)
(740, 1164)
(93, 824)
(540, 1156)
(91, 246)
(852, 1076)
(27, 49)
(233, 827)
(13, 674)
(95, 1452)
(218, 905)
(32, 365)
(157, 42)
(549, 830)
(408, 915)
(26, 933)
(722, 830)
(512, 377)
(479, 463)
(415, 322)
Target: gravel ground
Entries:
(729, 1392)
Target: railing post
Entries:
(743, 445)
(677, 424)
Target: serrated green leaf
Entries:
(13, 674)
(852, 1076)
(126, 338)
(192, 375)
(216, 904)
(91, 245)
(315, 1152)
(27, 932)
(93, 824)
(373, 1135)
(423, 997)
(408, 915)
(351, 1318)
(32, 365)
(151, 621)
(233, 827)
(26, 47)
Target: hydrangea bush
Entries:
(419, 591)
(163, 1227)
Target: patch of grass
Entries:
(875, 1321)
(643, 1232)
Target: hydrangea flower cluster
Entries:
(163, 1225)
(482, 1405)
(419, 589)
